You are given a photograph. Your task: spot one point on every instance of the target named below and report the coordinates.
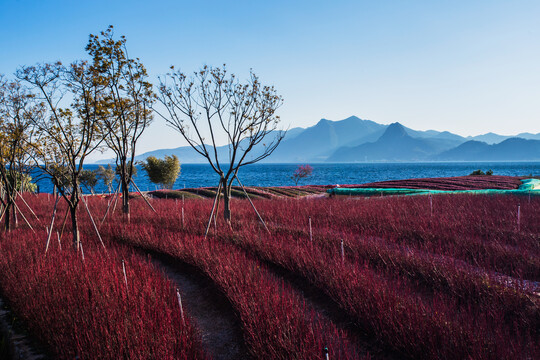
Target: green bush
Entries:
(480, 172)
(162, 171)
(477, 172)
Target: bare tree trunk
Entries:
(125, 187)
(7, 223)
(75, 228)
(226, 201)
(125, 198)
(10, 213)
(15, 220)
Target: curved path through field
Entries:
(328, 308)
(213, 314)
(16, 344)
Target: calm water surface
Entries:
(200, 175)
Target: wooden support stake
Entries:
(49, 232)
(82, 250)
(182, 211)
(342, 252)
(64, 222)
(93, 223)
(109, 205)
(180, 304)
(518, 217)
(212, 212)
(24, 218)
(144, 197)
(116, 199)
(215, 217)
(25, 203)
(253, 206)
(4, 209)
(310, 232)
(125, 276)
(59, 243)
(15, 217)
(218, 193)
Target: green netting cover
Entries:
(529, 186)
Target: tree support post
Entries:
(213, 209)
(93, 223)
(52, 223)
(64, 222)
(253, 206)
(144, 198)
(25, 203)
(24, 218)
(109, 205)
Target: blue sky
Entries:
(469, 67)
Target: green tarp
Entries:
(529, 186)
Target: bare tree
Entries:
(68, 134)
(213, 105)
(129, 96)
(18, 111)
(301, 172)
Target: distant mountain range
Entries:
(395, 144)
(357, 140)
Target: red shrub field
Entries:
(476, 182)
(451, 278)
(471, 182)
(425, 299)
(85, 308)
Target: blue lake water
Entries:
(200, 175)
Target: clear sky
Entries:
(467, 66)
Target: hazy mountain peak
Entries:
(322, 125)
(394, 130)
(352, 118)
